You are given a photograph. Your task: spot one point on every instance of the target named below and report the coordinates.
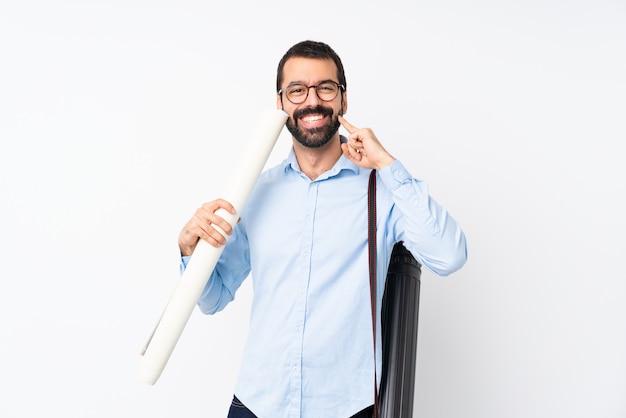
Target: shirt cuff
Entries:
(184, 260)
(394, 175)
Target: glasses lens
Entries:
(327, 90)
(296, 93)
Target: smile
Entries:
(312, 118)
(312, 121)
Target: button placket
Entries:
(301, 287)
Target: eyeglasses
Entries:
(326, 90)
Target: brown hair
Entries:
(311, 49)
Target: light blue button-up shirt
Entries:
(309, 351)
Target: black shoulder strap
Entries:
(371, 242)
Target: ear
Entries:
(279, 102)
(344, 103)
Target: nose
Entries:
(312, 98)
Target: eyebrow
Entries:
(293, 83)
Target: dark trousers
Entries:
(239, 410)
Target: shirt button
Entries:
(305, 255)
(308, 218)
(301, 291)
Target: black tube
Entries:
(399, 319)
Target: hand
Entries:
(205, 224)
(363, 148)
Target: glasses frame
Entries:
(340, 87)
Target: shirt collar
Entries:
(291, 163)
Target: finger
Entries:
(220, 224)
(351, 152)
(210, 231)
(214, 236)
(218, 207)
(208, 217)
(225, 204)
(349, 127)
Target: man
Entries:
(303, 237)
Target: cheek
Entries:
(290, 120)
(289, 109)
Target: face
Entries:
(313, 123)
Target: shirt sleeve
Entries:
(427, 229)
(230, 271)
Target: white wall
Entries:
(119, 118)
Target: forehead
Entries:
(308, 70)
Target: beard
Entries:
(316, 137)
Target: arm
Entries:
(231, 268)
(428, 231)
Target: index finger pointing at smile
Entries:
(349, 127)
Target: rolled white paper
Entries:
(187, 292)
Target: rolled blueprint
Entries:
(187, 292)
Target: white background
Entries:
(119, 118)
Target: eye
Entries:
(296, 90)
(326, 87)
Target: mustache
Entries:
(326, 111)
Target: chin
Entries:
(315, 138)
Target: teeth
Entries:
(312, 118)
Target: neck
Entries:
(315, 161)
